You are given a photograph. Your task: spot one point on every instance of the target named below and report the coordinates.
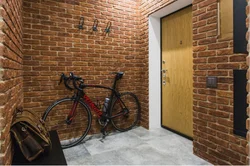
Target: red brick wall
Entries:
(53, 44)
(11, 59)
(248, 85)
(213, 108)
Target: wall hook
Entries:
(81, 22)
(108, 27)
(95, 25)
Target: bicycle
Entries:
(73, 114)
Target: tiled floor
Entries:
(135, 147)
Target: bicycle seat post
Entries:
(118, 76)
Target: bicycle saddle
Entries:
(119, 75)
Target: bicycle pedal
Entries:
(104, 133)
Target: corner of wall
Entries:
(11, 81)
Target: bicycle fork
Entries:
(72, 113)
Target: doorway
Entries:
(177, 72)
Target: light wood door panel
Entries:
(177, 62)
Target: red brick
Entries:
(217, 59)
(207, 15)
(207, 67)
(218, 113)
(219, 128)
(206, 53)
(200, 60)
(225, 51)
(228, 66)
(199, 36)
(238, 58)
(225, 80)
(199, 24)
(207, 41)
(217, 46)
(207, 28)
(218, 73)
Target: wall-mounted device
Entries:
(211, 82)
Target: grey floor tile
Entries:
(145, 155)
(76, 152)
(110, 158)
(135, 147)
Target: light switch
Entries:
(211, 82)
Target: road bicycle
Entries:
(71, 116)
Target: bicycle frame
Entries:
(93, 106)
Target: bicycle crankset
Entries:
(102, 122)
(126, 111)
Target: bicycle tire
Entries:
(69, 134)
(122, 123)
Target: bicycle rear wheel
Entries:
(70, 134)
(130, 119)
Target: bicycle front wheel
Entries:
(70, 134)
(131, 111)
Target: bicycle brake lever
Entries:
(71, 75)
(62, 76)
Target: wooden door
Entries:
(177, 72)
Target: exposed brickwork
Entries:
(11, 59)
(248, 84)
(53, 44)
(213, 108)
